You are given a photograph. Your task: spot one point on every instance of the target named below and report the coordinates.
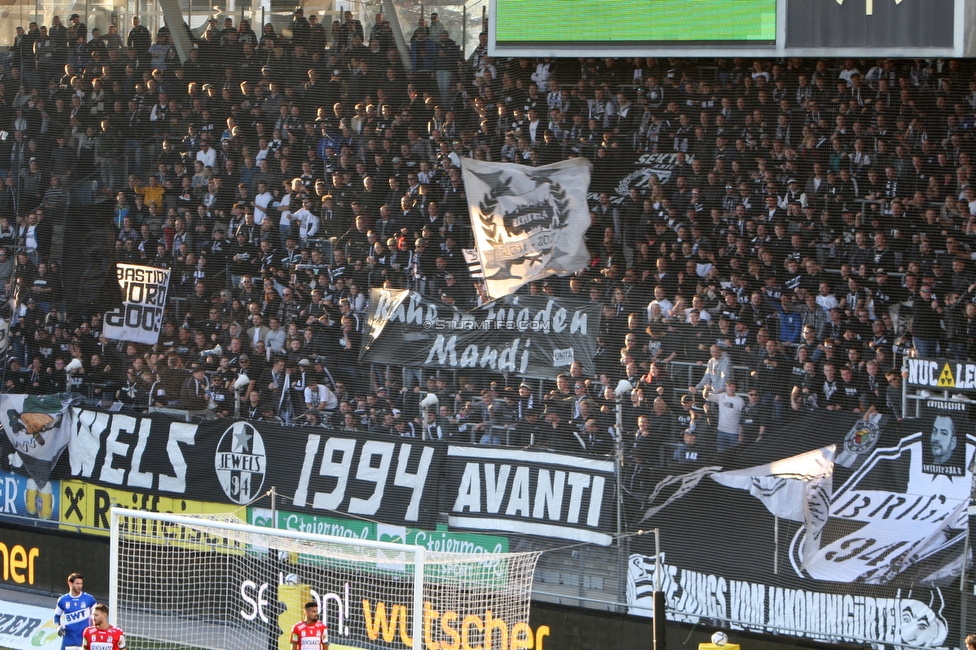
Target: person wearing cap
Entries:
(580, 395)
(301, 30)
(300, 375)
(267, 413)
(688, 451)
(525, 400)
(885, 295)
(558, 435)
(195, 394)
(794, 194)
(76, 29)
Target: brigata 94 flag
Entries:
(140, 316)
(529, 222)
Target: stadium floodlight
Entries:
(216, 583)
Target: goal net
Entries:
(212, 582)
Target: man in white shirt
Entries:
(30, 238)
(729, 411)
(261, 202)
(826, 299)
(308, 223)
(318, 397)
(660, 299)
(535, 134)
(206, 155)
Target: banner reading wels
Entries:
(152, 457)
(156, 464)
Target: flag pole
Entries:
(775, 545)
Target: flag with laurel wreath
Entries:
(529, 222)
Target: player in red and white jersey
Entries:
(100, 635)
(311, 633)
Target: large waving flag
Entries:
(798, 488)
(39, 428)
(529, 222)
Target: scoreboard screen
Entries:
(636, 22)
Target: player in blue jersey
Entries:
(73, 613)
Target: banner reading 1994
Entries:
(140, 316)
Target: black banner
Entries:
(41, 561)
(399, 481)
(886, 567)
(527, 336)
(314, 470)
(531, 493)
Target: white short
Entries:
(72, 647)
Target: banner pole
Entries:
(776, 545)
(618, 468)
(274, 506)
(904, 392)
(963, 596)
(660, 624)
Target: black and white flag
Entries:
(529, 222)
(140, 316)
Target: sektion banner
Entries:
(526, 336)
(140, 316)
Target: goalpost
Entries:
(186, 582)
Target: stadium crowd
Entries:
(814, 223)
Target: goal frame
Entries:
(417, 551)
